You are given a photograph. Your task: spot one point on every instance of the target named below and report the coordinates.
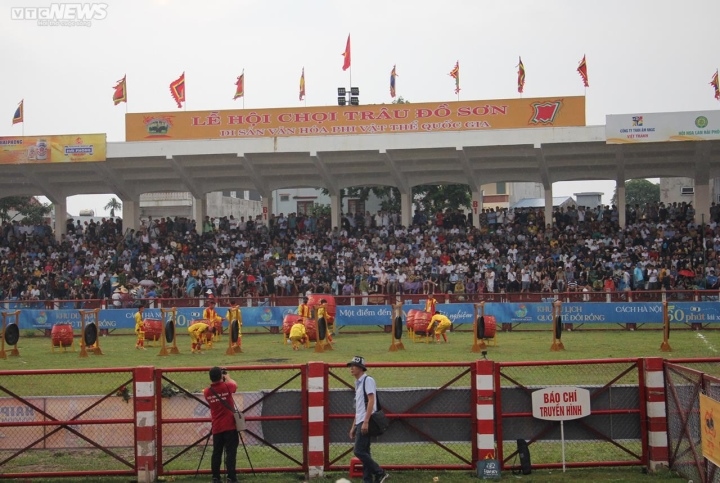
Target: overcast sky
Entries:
(642, 56)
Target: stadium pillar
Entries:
(316, 419)
(198, 210)
(657, 436)
(548, 206)
(405, 209)
(60, 218)
(267, 209)
(702, 202)
(335, 211)
(620, 190)
(129, 215)
(476, 206)
(145, 427)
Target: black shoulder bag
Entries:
(379, 423)
(237, 414)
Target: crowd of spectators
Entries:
(511, 250)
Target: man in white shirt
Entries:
(365, 405)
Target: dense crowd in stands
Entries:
(494, 251)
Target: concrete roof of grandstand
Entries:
(558, 201)
(543, 155)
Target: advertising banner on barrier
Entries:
(73, 148)
(662, 126)
(709, 438)
(374, 119)
(368, 315)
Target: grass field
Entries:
(268, 349)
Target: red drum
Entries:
(421, 321)
(490, 326)
(153, 329)
(288, 321)
(62, 335)
(314, 302)
(409, 322)
(311, 329)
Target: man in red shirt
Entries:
(224, 432)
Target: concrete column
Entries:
(476, 206)
(548, 206)
(405, 209)
(60, 219)
(620, 189)
(267, 209)
(129, 215)
(702, 202)
(335, 211)
(199, 209)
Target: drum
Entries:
(311, 329)
(420, 322)
(490, 326)
(288, 321)
(314, 302)
(153, 329)
(62, 335)
(411, 319)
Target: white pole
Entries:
(562, 439)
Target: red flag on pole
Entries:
(120, 94)
(716, 85)
(521, 76)
(240, 83)
(393, 75)
(455, 74)
(177, 90)
(582, 70)
(346, 54)
(19, 115)
(302, 85)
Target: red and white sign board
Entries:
(561, 403)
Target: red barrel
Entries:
(490, 326)
(421, 321)
(62, 335)
(314, 302)
(409, 322)
(153, 329)
(288, 321)
(311, 329)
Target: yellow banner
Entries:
(710, 428)
(375, 119)
(71, 148)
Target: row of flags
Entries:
(177, 87)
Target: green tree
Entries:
(400, 100)
(113, 205)
(28, 207)
(434, 198)
(639, 192)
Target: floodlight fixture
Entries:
(354, 91)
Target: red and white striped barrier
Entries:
(145, 422)
(316, 418)
(656, 413)
(485, 409)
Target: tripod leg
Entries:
(246, 452)
(207, 440)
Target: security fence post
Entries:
(657, 429)
(316, 420)
(145, 426)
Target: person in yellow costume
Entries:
(298, 335)
(232, 315)
(323, 313)
(211, 315)
(303, 309)
(197, 332)
(442, 325)
(139, 326)
(430, 304)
